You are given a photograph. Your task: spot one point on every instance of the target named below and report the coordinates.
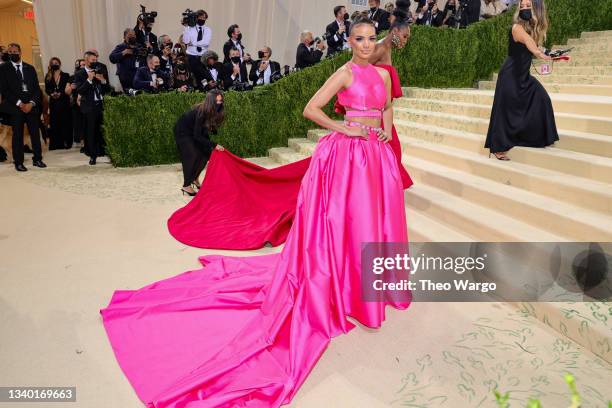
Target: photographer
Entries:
(197, 39)
(150, 78)
(192, 135)
(470, 12)
(214, 71)
(337, 32)
(491, 8)
(182, 79)
(379, 16)
(235, 41)
(307, 56)
(91, 86)
(166, 55)
(144, 31)
(429, 15)
(77, 117)
(127, 58)
(450, 14)
(235, 70)
(264, 71)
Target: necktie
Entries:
(200, 36)
(19, 75)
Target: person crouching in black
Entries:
(192, 135)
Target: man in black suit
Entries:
(4, 118)
(213, 71)
(235, 70)
(307, 55)
(379, 16)
(124, 55)
(22, 101)
(337, 32)
(144, 34)
(91, 86)
(150, 78)
(235, 41)
(264, 70)
(429, 15)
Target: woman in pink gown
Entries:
(247, 331)
(242, 205)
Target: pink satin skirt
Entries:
(247, 331)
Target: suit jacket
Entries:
(87, 90)
(220, 75)
(305, 57)
(126, 64)
(381, 17)
(142, 38)
(144, 77)
(255, 74)
(335, 41)
(11, 87)
(229, 69)
(229, 44)
(436, 21)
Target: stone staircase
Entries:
(560, 193)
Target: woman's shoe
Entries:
(196, 186)
(189, 193)
(502, 157)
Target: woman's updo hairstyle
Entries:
(361, 21)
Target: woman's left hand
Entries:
(384, 136)
(219, 148)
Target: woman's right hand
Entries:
(544, 57)
(355, 131)
(220, 148)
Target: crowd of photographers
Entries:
(73, 108)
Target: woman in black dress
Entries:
(59, 105)
(191, 133)
(522, 113)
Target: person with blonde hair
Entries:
(522, 113)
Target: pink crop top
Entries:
(367, 94)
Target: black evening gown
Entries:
(194, 145)
(60, 113)
(522, 113)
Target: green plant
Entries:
(138, 130)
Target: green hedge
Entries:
(138, 130)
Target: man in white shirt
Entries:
(263, 70)
(197, 39)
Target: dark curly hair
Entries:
(401, 14)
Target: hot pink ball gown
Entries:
(247, 331)
(242, 205)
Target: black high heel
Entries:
(502, 158)
(189, 193)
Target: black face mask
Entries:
(219, 107)
(260, 54)
(235, 60)
(373, 9)
(155, 67)
(55, 67)
(346, 17)
(15, 57)
(180, 67)
(131, 40)
(525, 14)
(239, 38)
(201, 22)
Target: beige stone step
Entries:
(603, 90)
(480, 125)
(588, 46)
(569, 221)
(572, 42)
(560, 78)
(582, 70)
(579, 191)
(569, 162)
(422, 228)
(596, 34)
(485, 224)
(570, 103)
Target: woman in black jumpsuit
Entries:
(191, 133)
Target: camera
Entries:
(190, 18)
(276, 75)
(147, 18)
(96, 67)
(242, 86)
(134, 92)
(260, 54)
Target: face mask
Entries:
(15, 57)
(525, 14)
(201, 22)
(219, 107)
(148, 29)
(180, 67)
(131, 40)
(239, 37)
(155, 67)
(55, 67)
(260, 54)
(235, 60)
(168, 45)
(346, 17)
(373, 9)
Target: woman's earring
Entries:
(395, 41)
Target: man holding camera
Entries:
(91, 86)
(150, 78)
(338, 31)
(22, 102)
(213, 70)
(166, 55)
(430, 15)
(197, 39)
(127, 58)
(309, 52)
(379, 16)
(144, 31)
(235, 70)
(264, 71)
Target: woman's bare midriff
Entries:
(368, 121)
